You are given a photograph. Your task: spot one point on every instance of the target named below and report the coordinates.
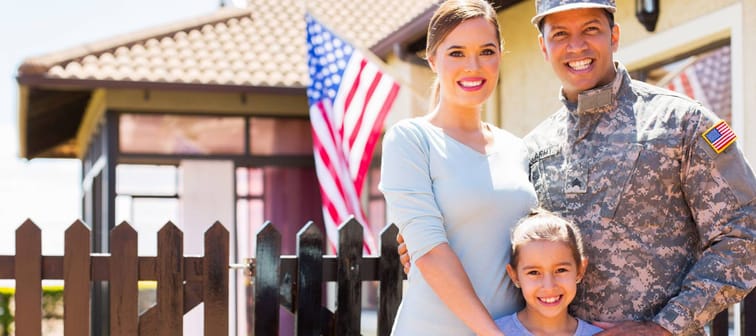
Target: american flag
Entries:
(707, 79)
(720, 136)
(349, 99)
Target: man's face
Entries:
(579, 45)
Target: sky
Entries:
(48, 190)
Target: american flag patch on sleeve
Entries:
(719, 136)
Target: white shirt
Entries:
(511, 326)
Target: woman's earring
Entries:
(517, 285)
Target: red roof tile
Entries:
(263, 45)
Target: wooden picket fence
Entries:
(182, 282)
(295, 282)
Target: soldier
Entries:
(663, 195)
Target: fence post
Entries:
(719, 325)
(309, 290)
(349, 280)
(215, 280)
(76, 279)
(390, 276)
(266, 280)
(748, 314)
(28, 268)
(170, 280)
(123, 281)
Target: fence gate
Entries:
(296, 282)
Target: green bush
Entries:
(52, 306)
(6, 317)
(52, 303)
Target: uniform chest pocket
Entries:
(612, 174)
(655, 183)
(546, 167)
(585, 179)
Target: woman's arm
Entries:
(444, 273)
(411, 203)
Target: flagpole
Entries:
(373, 58)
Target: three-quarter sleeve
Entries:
(407, 185)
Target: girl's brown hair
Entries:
(448, 16)
(542, 225)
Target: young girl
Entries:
(547, 263)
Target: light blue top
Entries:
(439, 190)
(511, 326)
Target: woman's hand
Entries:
(404, 257)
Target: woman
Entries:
(455, 185)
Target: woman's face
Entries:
(467, 63)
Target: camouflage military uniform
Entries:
(668, 223)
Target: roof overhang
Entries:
(410, 39)
(52, 109)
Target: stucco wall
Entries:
(413, 97)
(749, 79)
(528, 90)
(672, 13)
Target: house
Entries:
(206, 119)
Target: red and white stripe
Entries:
(727, 136)
(687, 83)
(344, 139)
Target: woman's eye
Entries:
(532, 273)
(488, 52)
(456, 54)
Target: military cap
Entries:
(546, 7)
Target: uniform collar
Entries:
(600, 99)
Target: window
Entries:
(146, 198)
(704, 75)
(180, 134)
(280, 136)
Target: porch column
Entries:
(206, 195)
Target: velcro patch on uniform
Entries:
(719, 136)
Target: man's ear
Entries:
(615, 37)
(542, 45)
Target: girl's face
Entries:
(548, 274)
(467, 63)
